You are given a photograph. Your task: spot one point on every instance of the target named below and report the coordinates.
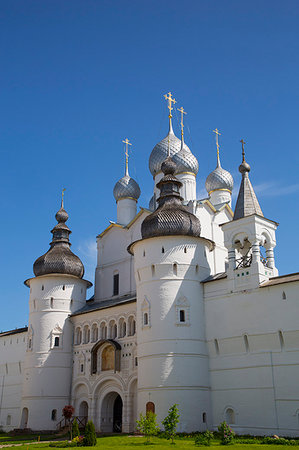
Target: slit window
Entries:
(182, 315)
(145, 318)
(54, 414)
(175, 269)
(56, 341)
(116, 284)
(204, 417)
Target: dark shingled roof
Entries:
(16, 331)
(91, 305)
(281, 279)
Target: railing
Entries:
(81, 420)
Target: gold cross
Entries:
(182, 111)
(243, 150)
(216, 131)
(170, 100)
(62, 196)
(127, 142)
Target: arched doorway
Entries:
(24, 418)
(111, 413)
(117, 414)
(83, 413)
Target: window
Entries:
(246, 343)
(284, 297)
(153, 270)
(54, 414)
(131, 326)
(78, 337)
(56, 341)
(8, 420)
(150, 407)
(52, 303)
(63, 287)
(281, 340)
(230, 416)
(175, 269)
(145, 318)
(216, 346)
(136, 361)
(43, 287)
(86, 334)
(182, 315)
(94, 333)
(116, 284)
(185, 250)
(204, 417)
(163, 251)
(82, 368)
(196, 268)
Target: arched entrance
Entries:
(83, 413)
(111, 413)
(24, 418)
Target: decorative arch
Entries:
(95, 354)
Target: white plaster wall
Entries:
(126, 210)
(259, 380)
(165, 347)
(188, 190)
(12, 351)
(47, 369)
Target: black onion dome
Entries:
(60, 258)
(171, 217)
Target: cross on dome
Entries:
(182, 111)
(127, 142)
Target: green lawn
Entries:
(130, 443)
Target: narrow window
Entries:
(43, 287)
(196, 268)
(246, 343)
(284, 297)
(138, 273)
(230, 416)
(116, 284)
(34, 304)
(8, 420)
(54, 414)
(56, 341)
(52, 303)
(204, 417)
(136, 361)
(185, 250)
(175, 269)
(30, 344)
(150, 407)
(145, 319)
(216, 346)
(163, 251)
(63, 287)
(281, 340)
(143, 252)
(153, 270)
(182, 315)
(82, 368)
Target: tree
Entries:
(170, 422)
(90, 437)
(75, 428)
(147, 424)
(67, 413)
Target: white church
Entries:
(188, 308)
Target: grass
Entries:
(128, 443)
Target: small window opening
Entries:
(284, 297)
(136, 361)
(34, 304)
(30, 343)
(145, 319)
(163, 251)
(56, 341)
(8, 420)
(175, 269)
(153, 270)
(246, 343)
(281, 340)
(216, 343)
(54, 414)
(185, 250)
(182, 315)
(196, 268)
(52, 303)
(230, 416)
(63, 287)
(204, 417)
(43, 287)
(139, 277)
(116, 284)
(82, 368)
(143, 252)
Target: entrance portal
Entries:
(117, 414)
(24, 418)
(111, 413)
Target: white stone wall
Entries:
(253, 339)
(12, 352)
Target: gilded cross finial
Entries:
(62, 197)
(127, 142)
(216, 131)
(182, 111)
(243, 150)
(170, 100)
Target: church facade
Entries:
(188, 308)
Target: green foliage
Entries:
(204, 438)
(147, 424)
(75, 428)
(170, 422)
(90, 437)
(279, 441)
(226, 434)
(63, 444)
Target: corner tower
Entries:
(170, 261)
(56, 291)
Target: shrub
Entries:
(148, 425)
(78, 440)
(204, 439)
(75, 428)
(226, 434)
(90, 437)
(63, 444)
(170, 422)
(278, 441)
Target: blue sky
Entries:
(79, 76)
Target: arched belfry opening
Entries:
(105, 355)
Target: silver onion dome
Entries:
(185, 160)
(126, 187)
(160, 153)
(219, 179)
(59, 258)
